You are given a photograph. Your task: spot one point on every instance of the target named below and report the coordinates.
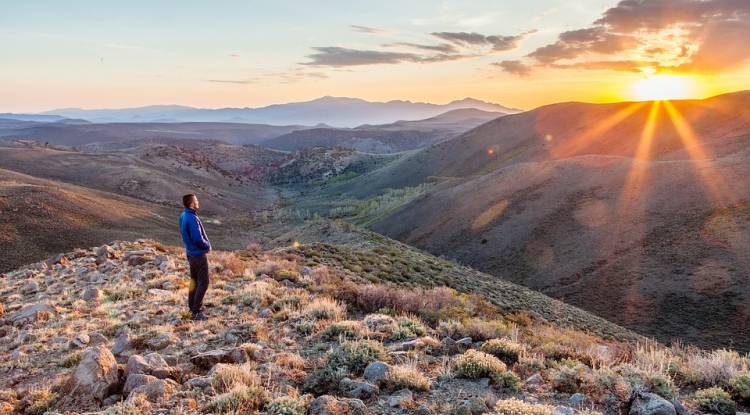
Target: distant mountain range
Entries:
(332, 111)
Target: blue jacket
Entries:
(193, 234)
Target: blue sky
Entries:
(250, 53)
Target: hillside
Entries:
(387, 138)
(291, 332)
(588, 214)
(82, 134)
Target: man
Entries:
(196, 247)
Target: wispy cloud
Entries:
(451, 46)
(368, 29)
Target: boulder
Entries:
(137, 380)
(227, 355)
(577, 399)
(103, 253)
(123, 342)
(330, 405)
(156, 391)
(377, 372)
(91, 295)
(651, 404)
(80, 341)
(151, 364)
(96, 338)
(401, 399)
(160, 342)
(358, 390)
(96, 374)
(31, 313)
(31, 287)
(471, 406)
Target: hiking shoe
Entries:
(199, 316)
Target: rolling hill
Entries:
(335, 111)
(387, 138)
(576, 200)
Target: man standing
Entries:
(196, 247)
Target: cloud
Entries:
(442, 47)
(515, 67)
(454, 46)
(337, 57)
(496, 42)
(663, 35)
(367, 29)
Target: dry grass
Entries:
(226, 377)
(408, 376)
(324, 308)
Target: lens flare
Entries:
(663, 87)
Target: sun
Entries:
(663, 87)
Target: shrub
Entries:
(716, 367)
(324, 379)
(479, 329)
(286, 405)
(356, 355)
(515, 407)
(407, 377)
(507, 380)
(567, 378)
(381, 323)
(715, 400)
(529, 364)
(72, 359)
(504, 349)
(286, 274)
(39, 401)
(349, 329)
(740, 387)
(228, 263)
(324, 308)
(408, 327)
(474, 364)
(227, 377)
(660, 385)
(284, 302)
(243, 399)
(289, 361)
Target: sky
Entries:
(106, 54)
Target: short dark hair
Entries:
(187, 199)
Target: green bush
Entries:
(514, 406)
(740, 387)
(507, 380)
(244, 399)
(661, 385)
(504, 349)
(286, 405)
(348, 329)
(567, 378)
(715, 400)
(356, 355)
(408, 327)
(474, 364)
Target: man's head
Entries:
(191, 201)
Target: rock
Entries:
(156, 391)
(535, 380)
(423, 410)
(329, 405)
(168, 285)
(201, 382)
(103, 253)
(80, 341)
(471, 406)
(136, 380)
(577, 399)
(111, 400)
(358, 390)
(410, 345)
(465, 342)
(123, 342)
(31, 313)
(651, 404)
(160, 342)
(376, 372)
(151, 364)
(96, 338)
(227, 355)
(57, 259)
(96, 374)
(31, 287)
(564, 410)
(265, 313)
(400, 399)
(92, 295)
(681, 410)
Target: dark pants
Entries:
(199, 281)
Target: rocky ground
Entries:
(105, 330)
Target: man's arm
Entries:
(197, 236)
